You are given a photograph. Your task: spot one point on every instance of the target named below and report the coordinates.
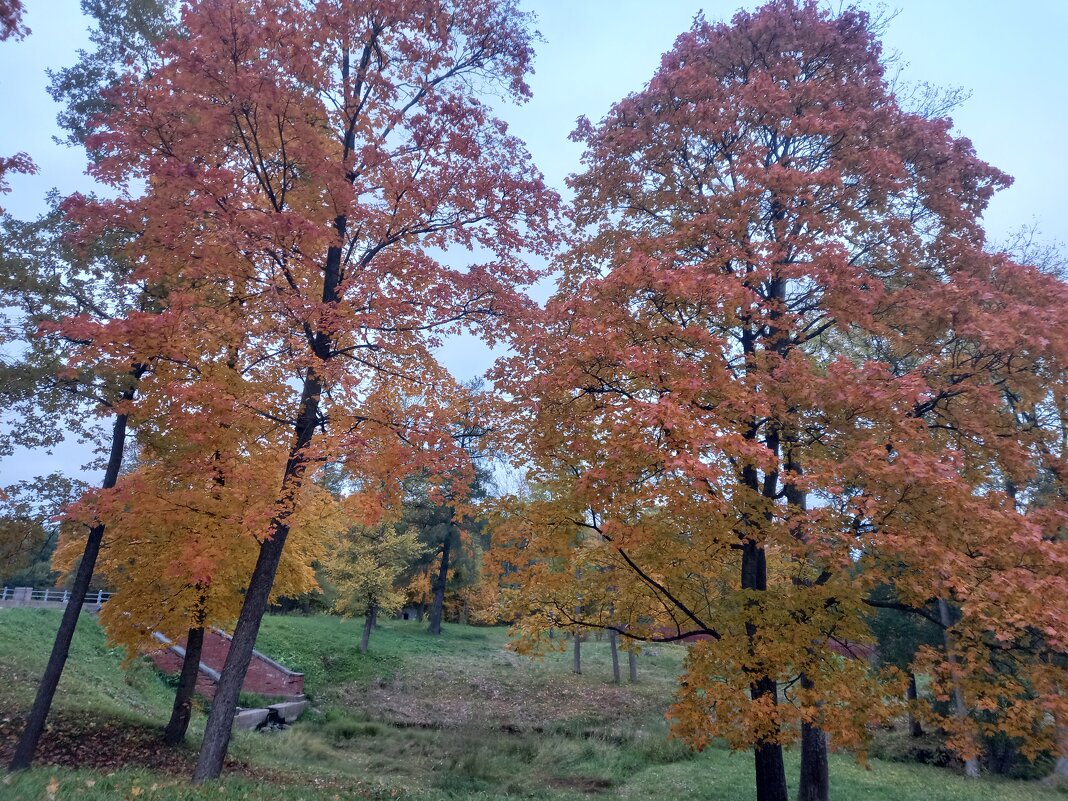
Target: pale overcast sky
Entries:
(596, 51)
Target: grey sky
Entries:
(597, 51)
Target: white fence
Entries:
(27, 596)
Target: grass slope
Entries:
(429, 719)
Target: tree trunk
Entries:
(613, 642)
(911, 694)
(174, 734)
(576, 663)
(221, 720)
(632, 664)
(815, 783)
(971, 765)
(770, 771)
(368, 624)
(439, 587)
(46, 690)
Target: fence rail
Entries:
(48, 595)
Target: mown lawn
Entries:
(422, 718)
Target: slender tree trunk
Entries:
(911, 694)
(368, 624)
(971, 765)
(770, 771)
(576, 659)
(439, 588)
(767, 754)
(46, 690)
(613, 643)
(814, 783)
(632, 665)
(220, 721)
(174, 734)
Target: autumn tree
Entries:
(769, 383)
(297, 171)
(366, 568)
(51, 393)
(177, 553)
(50, 388)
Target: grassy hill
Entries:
(423, 718)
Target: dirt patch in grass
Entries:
(508, 692)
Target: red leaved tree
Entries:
(775, 377)
(295, 174)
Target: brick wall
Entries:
(264, 676)
(169, 662)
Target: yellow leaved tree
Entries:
(365, 570)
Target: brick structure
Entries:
(264, 675)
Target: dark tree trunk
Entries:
(439, 588)
(368, 624)
(613, 643)
(632, 664)
(46, 690)
(576, 662)
(174, 734)
(815, 783)
(224, 705)
(815, 780)
(915, 729)
(770, 771)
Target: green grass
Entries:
(93, 679)
(429, 719)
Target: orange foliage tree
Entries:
(292, 173)
(782, 369)
(180, 544)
